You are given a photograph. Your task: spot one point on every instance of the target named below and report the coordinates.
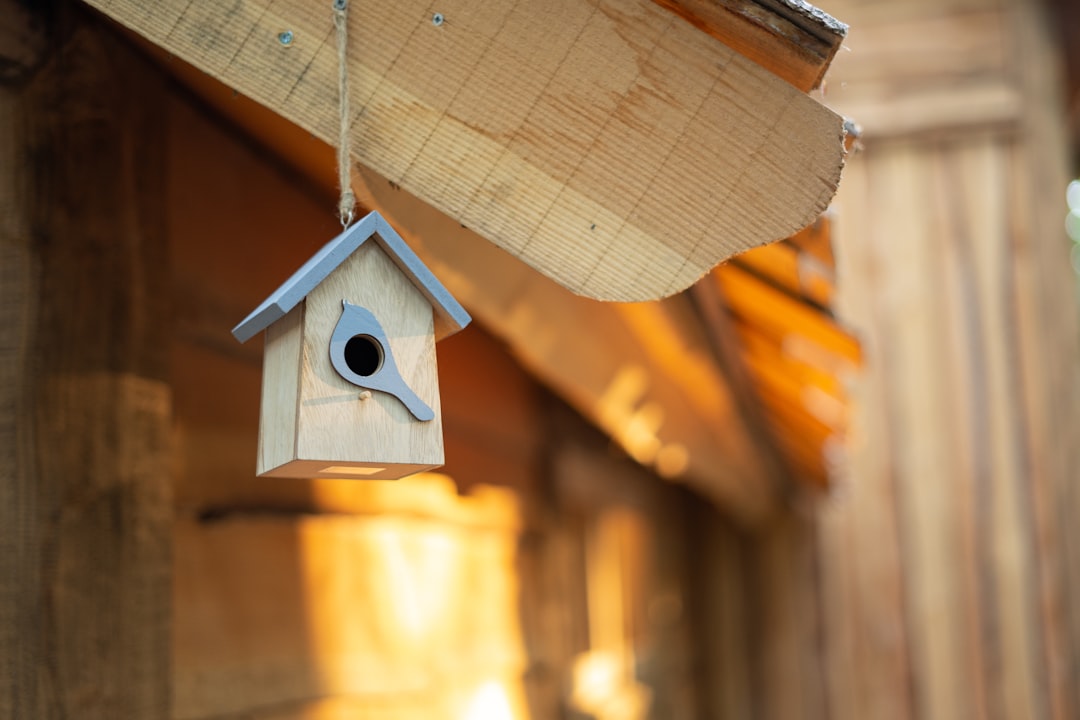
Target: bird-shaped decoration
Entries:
(360, 352)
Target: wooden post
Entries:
(941, 580)
(85, 513)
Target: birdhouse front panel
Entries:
(347, 430)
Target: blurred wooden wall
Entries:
(942, 579)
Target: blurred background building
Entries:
(836, 479)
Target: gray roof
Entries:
(450, 317)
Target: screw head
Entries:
(437, 19)
(285, 37)
(340, 4)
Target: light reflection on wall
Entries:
(411, 598)
(490, 702)
(635, 423)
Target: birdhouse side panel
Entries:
(342, 423)
(282, 356)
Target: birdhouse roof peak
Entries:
(450, 316)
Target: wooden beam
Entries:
(793, 40)
(612, 146)
(85, 514)
(781, 316)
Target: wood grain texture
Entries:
(20, 543)
(283, 361)
(85, 493)
(1047, 361)
(790, 38)
(614, 147)
(332, 426)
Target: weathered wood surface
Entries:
(943, 576)
(791, 38)
(613, 146)
(85, 508)
(602, 359)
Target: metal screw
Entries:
(437, 19)
(285, 37)
(340, 4)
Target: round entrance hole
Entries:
(363, 355)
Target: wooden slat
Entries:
(918, 396)
(1047, 351)
(988, 253)
(959, 336)
(779, 315)
(724, 616)
(614, 147)
(801, 274)
(785, 581)
(869, 633)
(18, 548)
(798, 399)
(793, 40)
(761, 349)
(85, 507)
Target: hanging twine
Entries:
(347, 203)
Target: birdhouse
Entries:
(350, 383)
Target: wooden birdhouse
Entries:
(350, 384)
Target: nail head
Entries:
(437, 19)
(285, 37)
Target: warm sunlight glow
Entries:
(489, 703)
(605, 689)
(622, 395)
(638, 432)
(408, 589)
(347, 470)
(672, 460)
